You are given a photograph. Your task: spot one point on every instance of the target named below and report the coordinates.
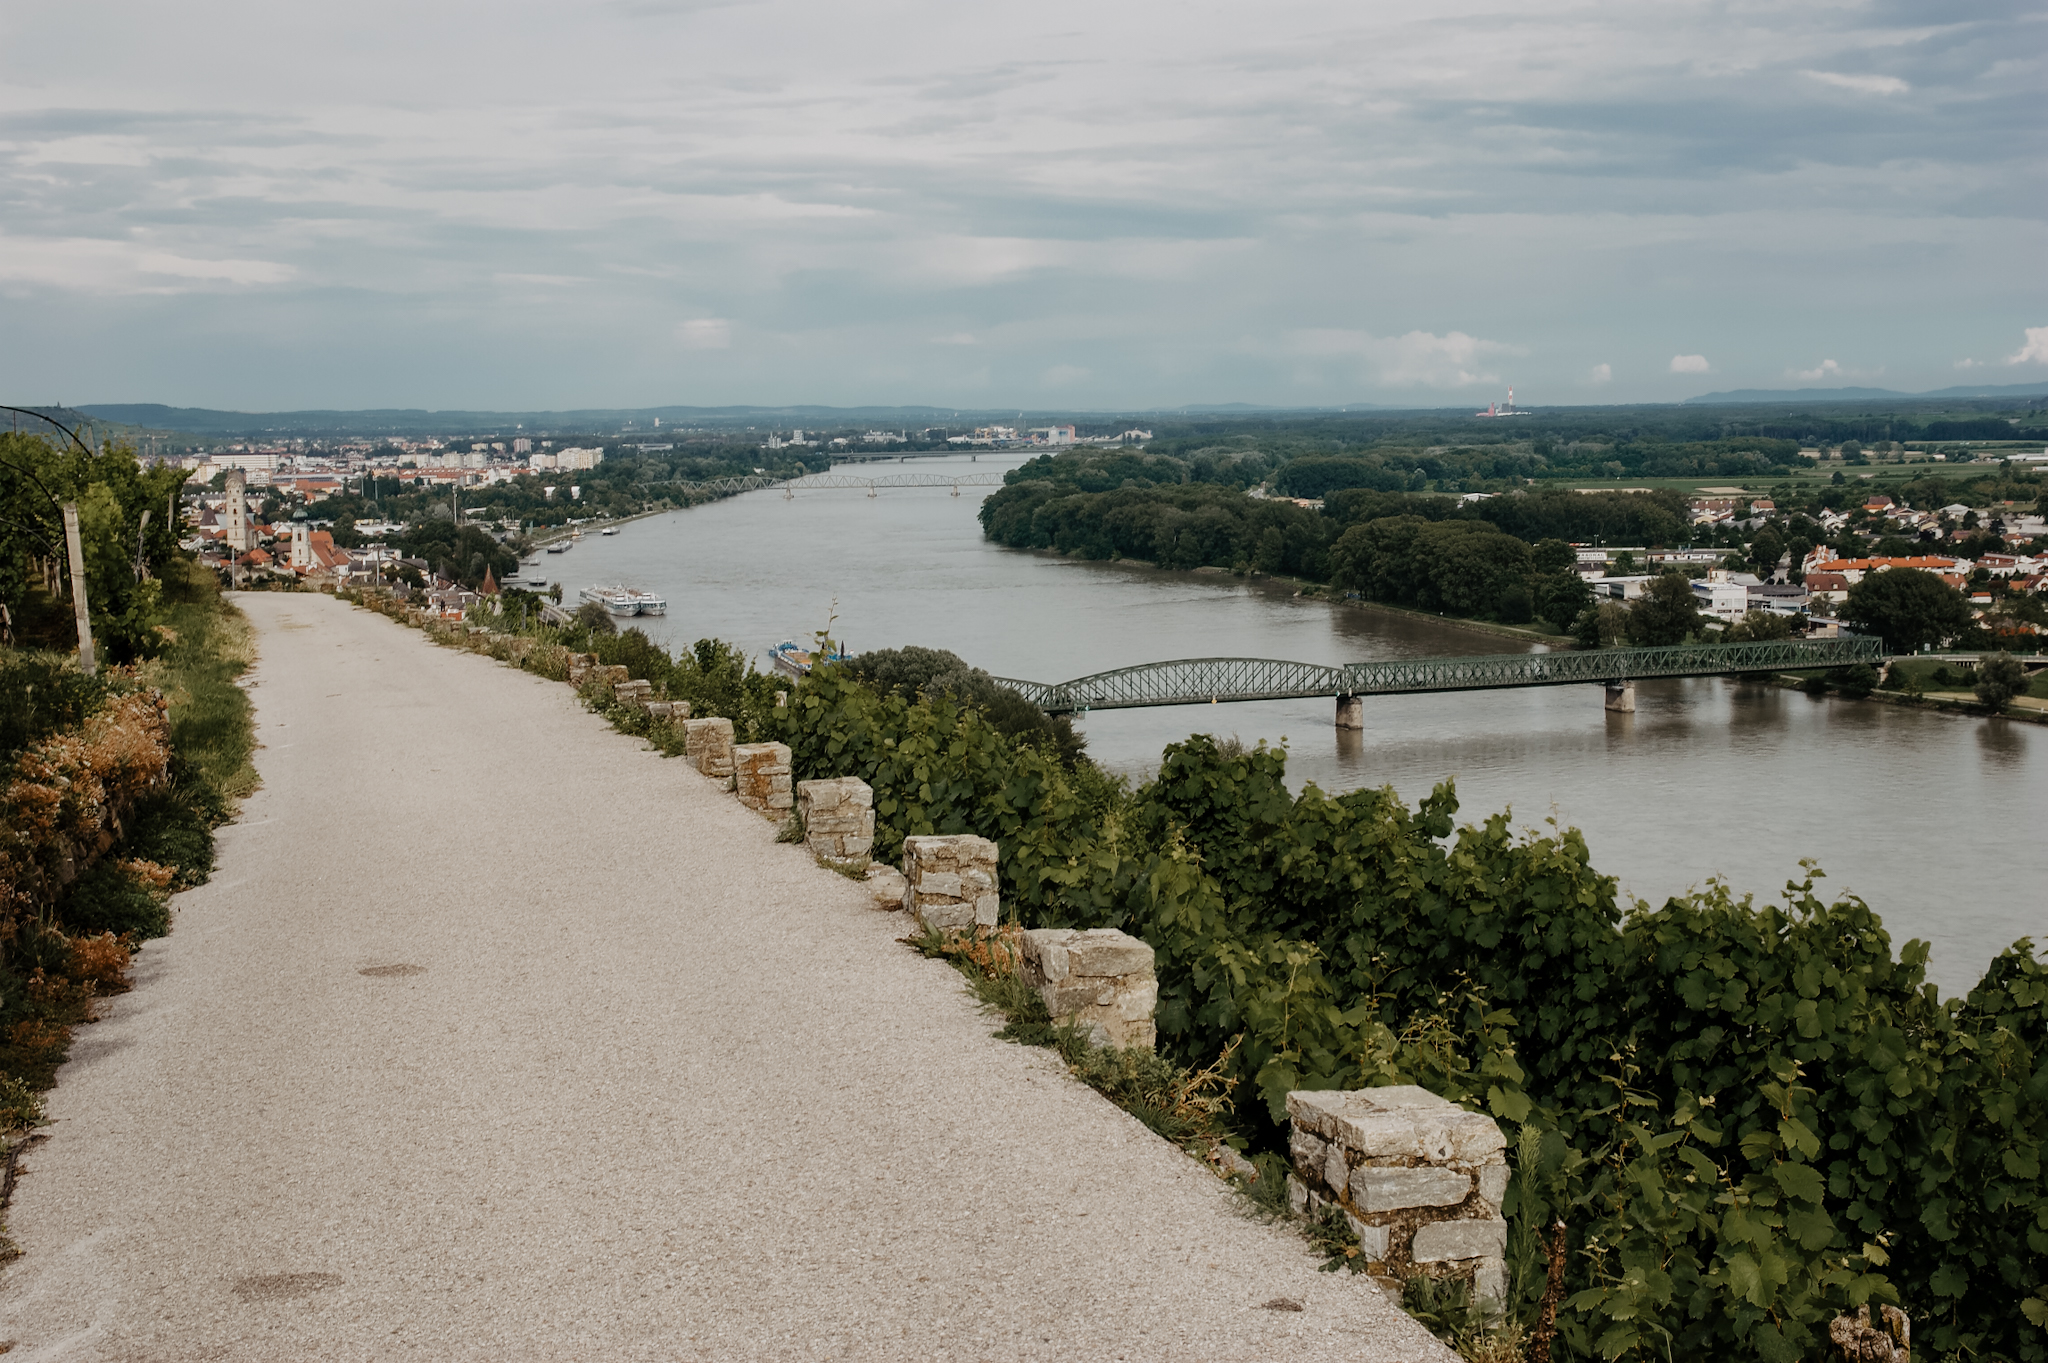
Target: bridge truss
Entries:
(1200, 681)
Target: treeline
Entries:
(1397, 470)
(1505, 557)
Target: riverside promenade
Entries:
(497, 1036)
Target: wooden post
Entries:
(85, 654)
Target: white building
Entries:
(574, 458)
(1721, 596)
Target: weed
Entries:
(792, 830)
(1331, 1237)
(1478, 1335)
(21, 1107)
(1187, 1107)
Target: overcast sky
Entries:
(1104, 204)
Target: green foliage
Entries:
(1666, 613)
(111, 898)
(1858, 681)
(44, 692)
(914, 672)
(112, 491)
(1760, 625)
(1999, 678)
(1907, 607)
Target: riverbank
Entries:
(1958, 704)
(1317, 591)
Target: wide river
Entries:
(1935, 821)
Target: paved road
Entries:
(497, 1036)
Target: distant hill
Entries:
(373, 422)
(1752, 395)
(383, 421)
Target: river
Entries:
(1934, 820)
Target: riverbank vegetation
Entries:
(1750, 1116)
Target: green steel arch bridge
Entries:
(1205, 681)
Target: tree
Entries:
(1908, 608)
(1667, 613)
(1764, 551)
(1999, 678)
(1760, 625)
(1601, 626)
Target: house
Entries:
(1854, 569)
(1721, 596)
(1629, 588)
(1779, 598)
(1823, 586)
(1877, 503)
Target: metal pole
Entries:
(85, 654)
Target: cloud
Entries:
(1416, 358)
(1690, 364)
(89, 265)
(956, 338)
(1600, 373)
(2035, 351)
(1969, 364)
(1827, 369)
(705, 333)
(1862, 85)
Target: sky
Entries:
(1060, 205)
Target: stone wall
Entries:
(838, 817)
(707, 745)
(1419, 1178)
(951, 882)
(1100, 978)
(760, 775)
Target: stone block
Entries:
(1490, 1282)
(1100, 978)
(760, 774)
(1493, 1182)
(1307, 1150)
(707, 745)
(934, 870)
(1372, 1240)
(1380, 1189)
(1397, 1122)
(839, 818)
(633, 692)
(1439, 1241)
(886, 885)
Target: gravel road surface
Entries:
(497, 1036)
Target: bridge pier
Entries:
(1351, 712)
(1621, 698)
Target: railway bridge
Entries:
(1205, 681)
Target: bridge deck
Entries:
(1199, 681)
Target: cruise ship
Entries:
(621, 600)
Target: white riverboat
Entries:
(623, 600)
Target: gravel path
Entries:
(497, 1036)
